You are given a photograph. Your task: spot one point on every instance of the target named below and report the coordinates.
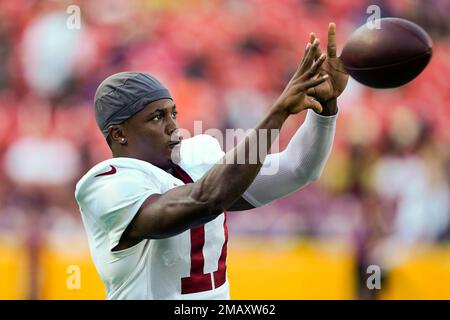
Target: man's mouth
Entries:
(174, 143)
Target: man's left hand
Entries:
(327, 92)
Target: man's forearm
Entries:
(225, 182)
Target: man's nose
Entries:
(171, 127)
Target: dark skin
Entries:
(328, 91)
(151, 135)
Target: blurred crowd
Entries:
(225, 62)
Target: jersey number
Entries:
(199, 281)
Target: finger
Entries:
(312, 103)
(331, 47)
(314, 82)
(300, 67)
(311, 92)
(312, 37)
(309, 58)
(315, 67)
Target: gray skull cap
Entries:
(122, 95)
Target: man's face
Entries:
(152, 134)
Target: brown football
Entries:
(387, 57)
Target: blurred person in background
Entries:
(412, 175)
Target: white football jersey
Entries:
(190, 265)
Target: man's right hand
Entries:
(294, 98)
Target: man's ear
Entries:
(118, 134)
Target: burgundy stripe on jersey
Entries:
(220, 274)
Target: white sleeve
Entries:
(113, 200)
(301, 162)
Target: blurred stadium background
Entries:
(383, 198)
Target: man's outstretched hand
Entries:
(327, 92)
(294, 97)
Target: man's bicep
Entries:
(168, 214)
(132, 234)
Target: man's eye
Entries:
(157, 117)
(174, 114)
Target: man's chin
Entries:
(175, 156)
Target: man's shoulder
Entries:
(119, 171)
(200, 149)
